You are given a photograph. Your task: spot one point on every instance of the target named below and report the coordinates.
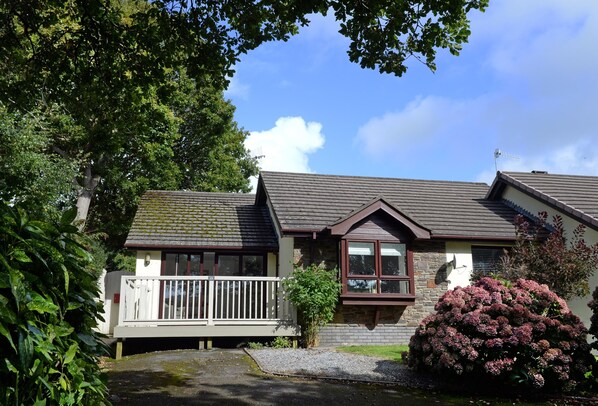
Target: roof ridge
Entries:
(373, 177)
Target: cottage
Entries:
(211, 264)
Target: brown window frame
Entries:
(377, 298)
(201, 254)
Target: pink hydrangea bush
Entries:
(522, 334)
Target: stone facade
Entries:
(323, 251)
(355, 325)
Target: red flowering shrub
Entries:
(522, 334)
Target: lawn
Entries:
(391, 352)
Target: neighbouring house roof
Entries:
(201, 220)
(311, 203)
(573, 194)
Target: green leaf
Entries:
(70, 353)
(40, 402)
(25, 350)
(41, 305)
(10, 366)
(68, 217)
(20, 256)
(4, 331)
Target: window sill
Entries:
(377, 300)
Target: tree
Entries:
(32, 176)
(565, 266)
(106, 63)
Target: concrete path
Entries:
(230, 377)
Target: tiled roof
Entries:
(200, 219)
(573, 194)
(312, 202)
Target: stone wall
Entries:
(354, 325)
(323, 251)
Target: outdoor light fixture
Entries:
(148, 258)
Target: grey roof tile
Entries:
(201, 219)
(312, 202)
(574, 194)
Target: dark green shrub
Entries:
(314, 292)
(48, 308)
(521, 334)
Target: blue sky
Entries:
(526, 83)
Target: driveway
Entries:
(230, 377)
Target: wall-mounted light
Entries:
(148, 258)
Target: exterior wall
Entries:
(322, 251)
(285, 256)
(461, 273)
(579, 306)
(153, 269)
(396, 324)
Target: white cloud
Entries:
(286, 146)
(543, 62)
(237, 89)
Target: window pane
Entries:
(387, 286)
(393, 259)
(228, 265)
(361, 258)
(170, 264)
(253, 265)
(182, 268)
(208, 263)
(486, 259)
(195, 264)
(361, 286)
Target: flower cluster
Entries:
(521, 333)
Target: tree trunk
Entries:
(90, 183)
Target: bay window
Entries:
(376, 268)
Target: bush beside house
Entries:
(521, 334)
(48, 309)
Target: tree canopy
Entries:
(132, 89)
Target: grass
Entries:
(391, 352)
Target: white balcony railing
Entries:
(202, 300)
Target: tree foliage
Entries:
(565, 266)
(48, 309)
(497, 333)
(314, 292)
(33, 176)
(136, 85)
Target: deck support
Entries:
(202, 344)
(295, 341)
(119, 348)
(208, 343)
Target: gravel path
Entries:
(338, 365)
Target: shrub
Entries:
(281, 342)
(565, 265)
(48, 308)
(594, 319)
(521, 334)
(314, 292)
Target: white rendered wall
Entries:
(460, 275)
(271, 266)
(578, 306)
(153, 269)
(286, 256)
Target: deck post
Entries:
(119, 348)
(211, 289)
(208, 343)
(202, 344)
(295, 342)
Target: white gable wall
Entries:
(579, 306)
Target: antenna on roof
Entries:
(498, 153)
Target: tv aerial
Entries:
(498, 153)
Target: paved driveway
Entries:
(230, 377)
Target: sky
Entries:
(526, 84)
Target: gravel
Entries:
(330, 364)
